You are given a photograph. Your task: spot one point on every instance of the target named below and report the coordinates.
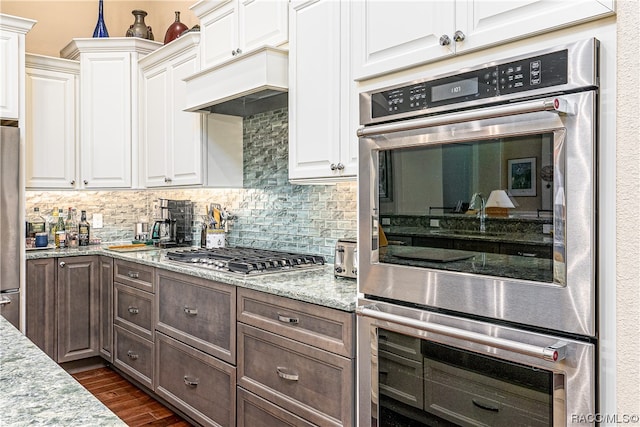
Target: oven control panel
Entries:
(485, 82)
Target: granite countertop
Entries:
(36, 391)
(314, 286)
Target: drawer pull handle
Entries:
(193, 382)
(132, 355)
(287, 319)
(282, 373)
(133, 310)
(485, 406)
(4, 300)
(191, 311)
(133, 274)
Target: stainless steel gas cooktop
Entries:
(246, 261)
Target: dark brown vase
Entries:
(175, 29)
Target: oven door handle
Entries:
(559, 105)
(552, 353)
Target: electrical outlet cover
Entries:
(97, 220)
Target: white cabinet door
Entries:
(51, 122)
(106, 119)
(219, 32)
(319, 89)
(485, 23)
(172, 138)
(262, 23)
(390, 36)
(230, 28)
(154, 110)
(393, 35)
(185, 146)
(9, 71)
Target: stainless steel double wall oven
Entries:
(481, 310)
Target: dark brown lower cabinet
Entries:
(40, 285)
(197, 383)
(134, 355)
(78, 308)
(105, 286)
(256, 411)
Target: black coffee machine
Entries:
(173, 223)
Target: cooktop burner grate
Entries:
(247, 260)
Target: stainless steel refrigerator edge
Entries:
(11, 227)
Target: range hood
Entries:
(254, 82)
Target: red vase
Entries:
(175, 29)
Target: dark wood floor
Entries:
(132, 405)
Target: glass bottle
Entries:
(101, 28)
(53, 224)
(83, 229)
(35, 223)
(60, 236)
(71, 227)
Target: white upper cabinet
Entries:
(51, 122)
(172, 147)
(394, 35)
(12, 51)
(109, 100)
(232, 27)
(322, 144)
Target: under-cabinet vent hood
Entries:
(251, 83)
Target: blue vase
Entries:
(101, 28)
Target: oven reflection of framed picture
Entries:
(522, 176)
(385, 184)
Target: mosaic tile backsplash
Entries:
(271, 213)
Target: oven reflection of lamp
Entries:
(498, 204)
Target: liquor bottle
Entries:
(35, 223)
(52, 224)
(71, 228)
(83, 230)
(61, 235)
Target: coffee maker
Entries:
(172, 226)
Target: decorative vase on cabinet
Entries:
(101, 28)
(139, 28)
(175, 29)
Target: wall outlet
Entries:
(386, 221)
(434, 223)
(97, 220)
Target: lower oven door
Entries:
(420, 368)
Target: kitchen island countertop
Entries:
(314, 286)
(36, 391)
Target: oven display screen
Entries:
(454, 89)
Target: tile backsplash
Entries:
(271, 212)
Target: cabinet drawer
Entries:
(133, 355)
(309, 382)
(469, 398)
(399, 344)
(130, 273)
(198, 312)
(134, 310)
(255, 411)
(401, 378)
(321, 327)
(195, 382)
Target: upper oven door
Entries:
(431, 182)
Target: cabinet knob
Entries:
(193, 382)
(287, 319)
(133, 310)
(167, 179)
(238, 51)
(191, 311)
(445, 40)
(62, 264)
(340, 166)
(333, 166)
(73, 182)
(458, 36)
(132, 355)
(85, 182)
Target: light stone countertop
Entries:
(316, 286)
(34, 390)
